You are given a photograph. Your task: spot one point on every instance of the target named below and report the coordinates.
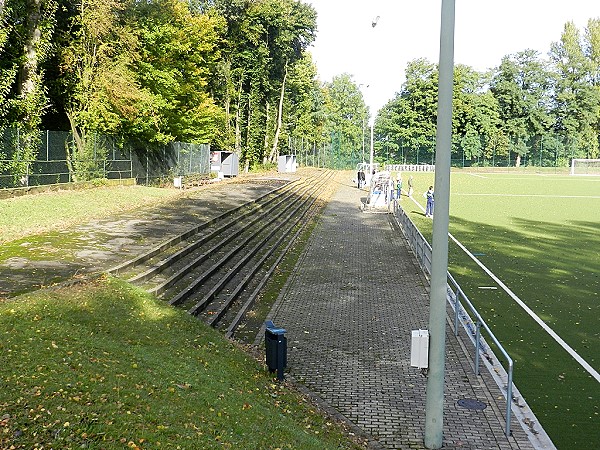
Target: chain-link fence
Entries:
(551, 152)
(174, 159)
(548, 151)
(106, 157)
(332, 155)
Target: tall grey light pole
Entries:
(363, 137)
(363, 124)
(434, 406)
(372, 152)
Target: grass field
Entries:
(33, 214)
(103, 365)
(540, 235)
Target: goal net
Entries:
(585, 167)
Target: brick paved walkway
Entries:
(349, 308)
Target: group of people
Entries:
(395, 188)
(397, 183)
(429, 195)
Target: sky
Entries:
(485, 31)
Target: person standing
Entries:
(398, 186)
(429, 207)
(410, 186)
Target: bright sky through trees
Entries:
(486, 31)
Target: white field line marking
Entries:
(476, 175)
(527, 195)
(591, 178)
(528, 310)
(533, 315)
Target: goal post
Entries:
(585, 167)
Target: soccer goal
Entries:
(585, 167)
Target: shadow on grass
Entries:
(555, 270)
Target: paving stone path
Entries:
(349, 309)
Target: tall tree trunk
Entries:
(227, 105)
(29, 89)
(5, 29)
(266, 145)
(29, 69)
(273, 154)
(248, 148)
(238, 128)
(238, 133)
(72, 156)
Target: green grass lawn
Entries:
(33, 214)
(103, 365)
(541, 236)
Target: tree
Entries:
(98, 83)
(304, 107)
(487, 121)
(389, 125)
(592, 51)
(521, 85)
(8, 66)
(410, 118)
(475, 117)
(295, 31)
(577, 99)
(25, 39)
(407, 123)
(262, 41)
(346, 116)
(139, 72)
(177, 54)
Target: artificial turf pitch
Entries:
(540, 235)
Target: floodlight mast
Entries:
(434, 406)
(364, 117)
(372, 153)
(363, 137)
(374, 23)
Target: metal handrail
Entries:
(456, 298)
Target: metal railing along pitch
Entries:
(472, 322)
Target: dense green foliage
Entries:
(346, 117)
(526, 109)
(237, 74)
(232, 73)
